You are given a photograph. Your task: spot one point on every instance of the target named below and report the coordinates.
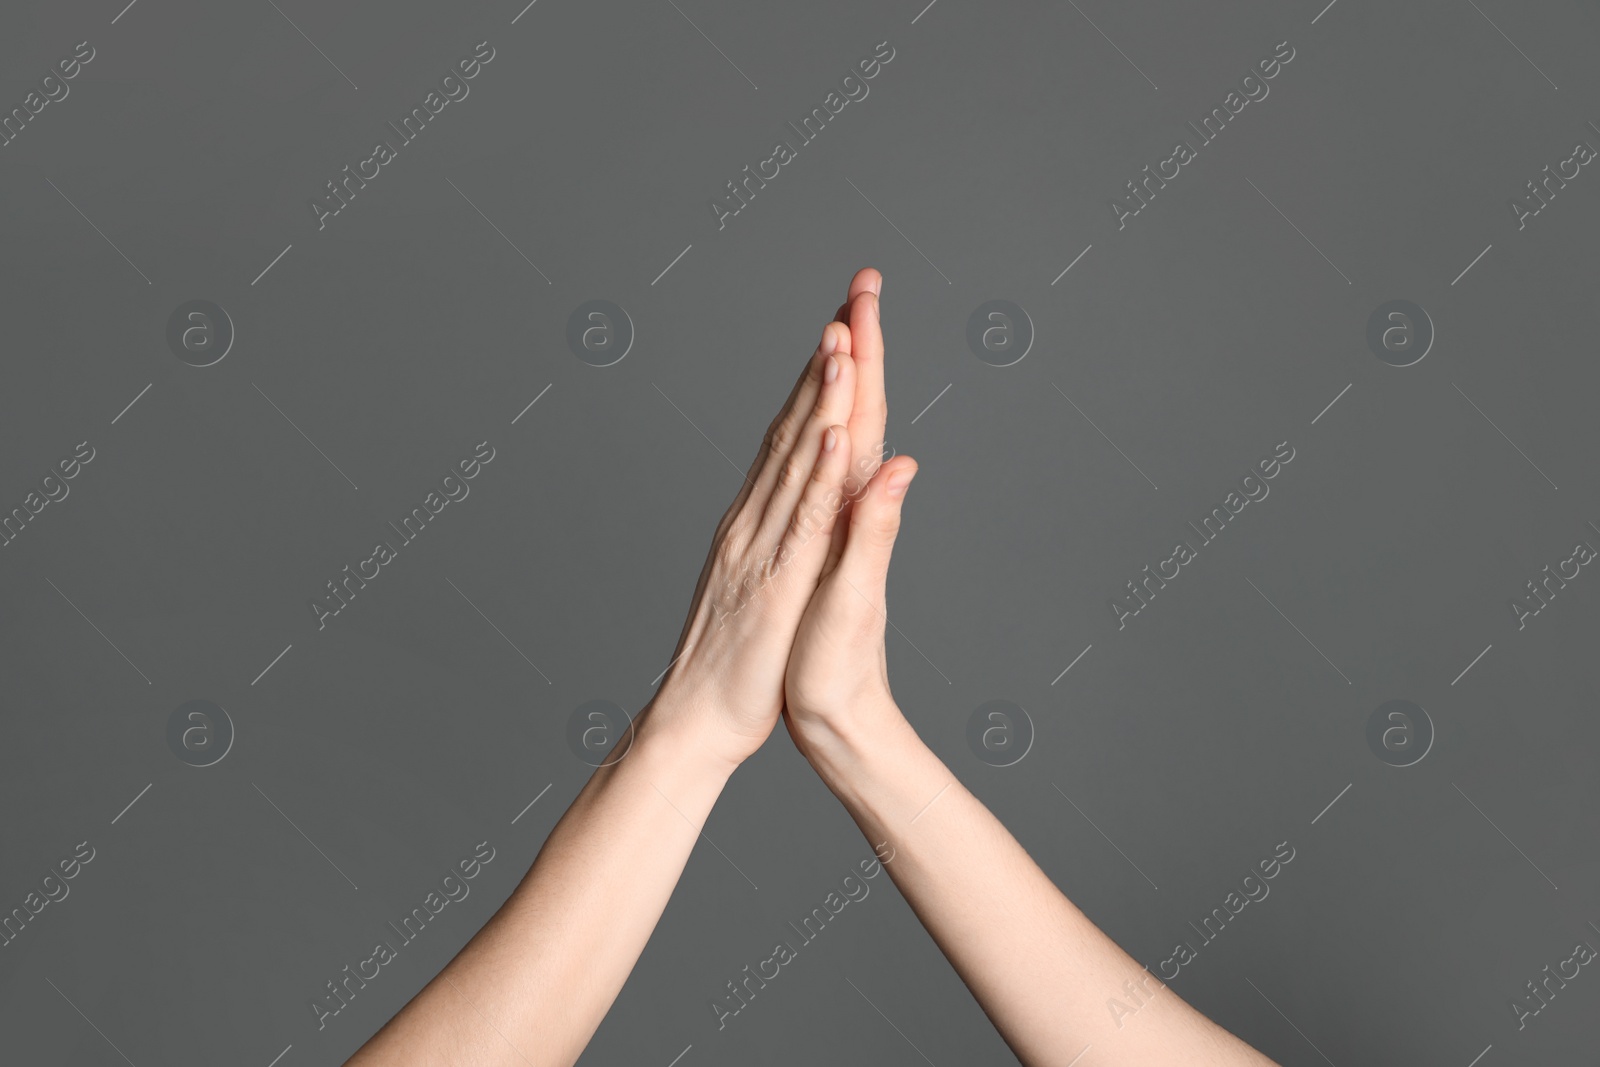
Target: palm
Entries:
(838, 658)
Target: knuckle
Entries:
(728, 555)
(796, 534)
(792, 475)
(764, 571)
(730, 540)
(836, 411)
(782, 437)
(807, 521)
(729, 517)
(883, 530)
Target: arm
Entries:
(531, 987)
(1039, 968)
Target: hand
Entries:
(725, 687)
(837, 684)
(837, 679)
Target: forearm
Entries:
(532, 986)
(1040, 969)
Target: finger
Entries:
(794, 473)
(802, 397)
(788, 433)
(805, 539)
(874, 523)
(865, 279)
(871, 410)
(783, 430)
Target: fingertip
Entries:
(893, 477)
(830, 339)
(835, 341)
(838, 373)
(867, 278)
(899, 481)
(833, 460)
(840, 334)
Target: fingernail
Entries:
(830, 370)
(829, 439)
(875, 310)
(899, 481)
(877, 286)
(830, 340)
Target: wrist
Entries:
(848, 748)
(878, 767)
(676, 733)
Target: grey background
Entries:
(412, 327)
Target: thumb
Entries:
(874, 525)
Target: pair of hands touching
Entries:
(789, 613)
(788, 620)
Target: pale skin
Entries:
(788, 621)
